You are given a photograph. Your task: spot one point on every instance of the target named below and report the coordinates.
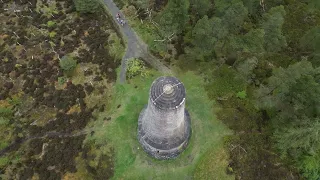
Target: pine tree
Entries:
(175, 17)
(272, 25)
(200, 7)
(292, 97)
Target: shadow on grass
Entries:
(204, 157)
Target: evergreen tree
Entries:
(202, 36)
(292, 97)
(200, 7)
(251, 42)
(234, 16)
(252, 5)
(272, 25)
(174, 18)
(310, 42)
(222, 5)
(314, 4)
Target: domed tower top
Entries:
(167, 93)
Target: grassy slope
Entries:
(204, 158)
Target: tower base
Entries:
(159, 149)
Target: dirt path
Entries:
(135, 46)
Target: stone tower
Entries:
(164, 126)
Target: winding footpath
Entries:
(135, 46)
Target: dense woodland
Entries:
(259, 58)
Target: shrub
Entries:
(87, 6)
(5, 112)
(51, 23)
(242, 94)
(52, 34)
(115, 47)
(62, 80)
(136, 67)
(310, 166)
(4, 161)
(5, 115)
(67, 63)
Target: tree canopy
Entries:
(174, 18)
(293, 98)
(272, 25)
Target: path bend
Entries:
(135, 46)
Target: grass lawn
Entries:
(204, 158)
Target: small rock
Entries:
(51, 168)
(17, 114)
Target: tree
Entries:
(226, 83)
(67, 63)
(234, 16)
(222, 5)
(230, 22)
(145, 4)
(87, 6)
(292, 97)
(246, 67)
(174, 18)
(251, 42)
(202, 36)
(206, 33)
(299, 13)
(252, 5)
(200, 7)
(311, 42)
(272, 25)
(314, 4)
(219, 29)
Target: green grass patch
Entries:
(4, 161)
(131, 162)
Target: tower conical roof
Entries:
(167, 93)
